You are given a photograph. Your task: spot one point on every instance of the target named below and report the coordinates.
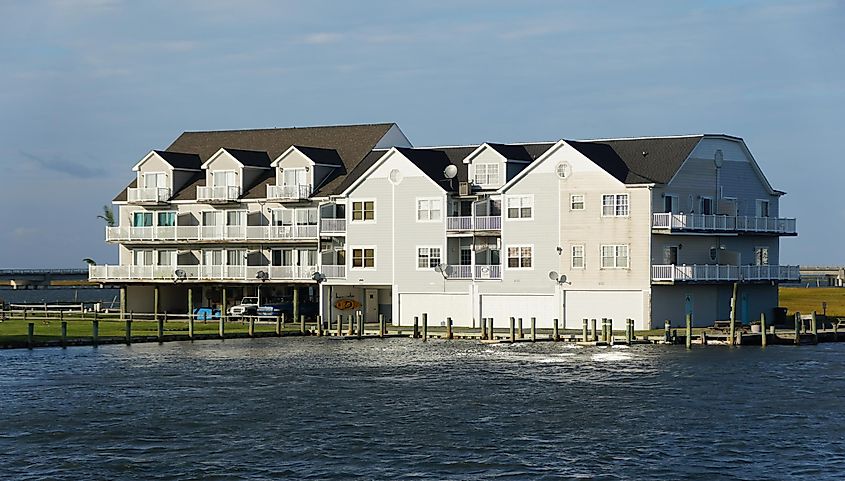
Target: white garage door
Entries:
(437, 306)
(501, 307)
(616, 305)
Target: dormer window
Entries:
(487, 175)
(294, 177)
(224, 178)
(155, 180)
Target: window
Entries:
(670, 255)
(761, 256)
(576, 202)
(762, 208)
(235, 217)
(428, 257)
(670, 204)
(706, 206)
(364, 258)
(212, 218)
(142, 219)
(520, 206)
(212, 257)
(167, 258)
(155, 180)
(614, 257)
(466, 255)
(363, 210)
(614, 205)
(578, 257)
(235, 257)
(429, 209)
(294, 177)
(520, 257)
(487, 174)
(306, 216)
(224, 178)
(166, 219)
(142, 257)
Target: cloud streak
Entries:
(68, 167)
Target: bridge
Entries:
(35, 278)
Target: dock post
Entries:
(521, 332)
(222, 310)
(123, 303)
(666, 334)
(533, 329)
(604, 329)
(814, 327)
(351, 329)
(95, 331)
(156, 304)
(221, 329)
(594, 335)
(629, 331)
(425, 327)
(191, 326)
(584, 329)
(190, 312)
(128, 330)
(339, 324)
(319, 325)
(251, 326)
(491, 336)
(732, 335)
(360, 324)
(449, 334)
(381, 325)
(160, 327)
(763, 334)
(295, 308)
(513, 329)
(703, 338)
(689, 331)
(798, 328)
(416, 333)
(483, 328)
(301, 323)
(278, 325)
(556, 332)
(64, 334)
(609, 331)
(30, 334)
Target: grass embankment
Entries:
(809, 299)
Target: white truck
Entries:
(247, 307)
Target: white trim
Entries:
(417, 256)
(554, 148)
(351, 257)
(381, 160)
(478, 150)
(615, 256)
(506, 262)
(204, 166)
(351, 210)
(583, 202)
(572, 256)
(429, 220)
(615, 204)
(505, 207)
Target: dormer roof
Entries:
(319, 156)
(247, 158)
(176, 160)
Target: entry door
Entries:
(370, 305)
(670, 255)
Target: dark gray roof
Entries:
(642, 160)
(252, 158)
(512, 151)
(322, 156)
(180, 160)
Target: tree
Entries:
(107, 216)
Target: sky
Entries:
(88, 87)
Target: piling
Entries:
(191, 326)
(689, 331)
(222, 311)
(483, 328)
(351, 330)
(160, 328)
(64, 333)
(416, 333)
(449, 328)
(491, 329)
(30, 334)
(666, 334)
(584, 329)
(703, 338)
(814, 327)
(279, 326)
(319, 325)
(221, 330)
(156, 305)
(556, 332)
(128, 331)
(339, 323)
(797, 328)
(731, 336)
(251, 326)
(301, 323)
(521, 332)
(381, 325)
(533, 329)
(122, 303)
(190, 312)
(360, 324)
(95, 331)
(513, 329)
(629, 331)
(295, 308)
(763, 334)
(425, 327)
(610, 331)
(604, 329)
(594, 336)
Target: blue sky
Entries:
(87, 87)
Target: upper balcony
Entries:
(669, 223)
(105, 273)
(470, 223)
(332, 226)
(218, 194)
(477, 271)
(712, 273)
(236, 233)
(294, 192)
(148, 195)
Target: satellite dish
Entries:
(553, 275)
(450, 171)
(718, 158)
(180, 274)
(443, 269)
(261, 275)
(318, 276)
(395, 176)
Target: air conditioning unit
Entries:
(464, 188)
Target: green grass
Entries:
(807, 300)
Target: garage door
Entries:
(616, 305)
(501, 307)
(437, 306)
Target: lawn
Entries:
(809, 299)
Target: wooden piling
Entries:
(122, 303)
(301, 323)
(64, 334)
(156, 304)
(629, 331)
(339, 324)
(425, 327)
(763, 334)
(513, 329)
(319, 326)
(191, 326)
(360, 324)
(610, 331)
(703, 338)
(521, 333)
(449, 334)
(381, 325)
(279, 326)
(584, 329)
(604, 329)
(160, 328)
(732, 333)
(295, 308)
(594, 336)
(221, 329)
(689, 331)
(491, 333)
(556, 332)
(533, 329)
(30, 334)
(351, 330)
(483, 328)
(127, 331)
(95, 331)
(814, 327)
(223, 310)
(798, 328)
(251, 326)
(666, 334)
(416, 333)
(190, 311)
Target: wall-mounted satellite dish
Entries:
(450, 171)
(718, 158)
(553, 275)
(180, 275)
(261, 275)
(443, 269)
(318, 276)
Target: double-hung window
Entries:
(142, 257)
(363, 210)
(520, 206)
(487, 175)
(520, 257)
(614, 205)
(614, 257)
(429, 209)
(578, 257)
(576, 202)
(363, 258)
(142, 219)
(428, 257)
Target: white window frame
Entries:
(216, 172)
(521, 198)
(153, 218)
(572, 201)
(520, 247)
(701, 200)
(758, 208)
(363, 202)
(616, 205)
(150, 261)
(483, 180)
(418, 256)
(583, 256)
(296, 172)
(351, 250)
(174, 256)
(428, 211)
(158, 213)
(157, 173)
(616, 248)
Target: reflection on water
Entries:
(399, 409)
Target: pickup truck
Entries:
(277, 307)
(247, 307)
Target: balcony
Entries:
(679, 223)
(198, 273)
(288, 192)
(720, 273)
(480, 272)
(333, 226)
(218, 194)
(333, 271)
(466, 223)
(148, 195)
(210, 233)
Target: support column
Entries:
(123, 303)
(223, 309)
(296, 303)
(155, 302)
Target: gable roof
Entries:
(180, 160)
(639, 160)
(512, 151)
(250, 158)
(321, 156)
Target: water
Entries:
(317, 408)
(64, 294)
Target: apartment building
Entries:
(355, 218)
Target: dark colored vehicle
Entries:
(277, 307)
(206, 313)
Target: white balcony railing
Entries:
(210, 233)
(488, 271)
(723, 223)
(168, 273)
(226, 193)
(460, 272)
(333, 225)
(283, 192)
(148, 194)
(467, 222)
(722, 272)
(333, 271)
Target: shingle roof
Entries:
(321, 156)
(512, 151)
(252, 158)
(642, 160)
(180, 160)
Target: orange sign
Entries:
(346, 304)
